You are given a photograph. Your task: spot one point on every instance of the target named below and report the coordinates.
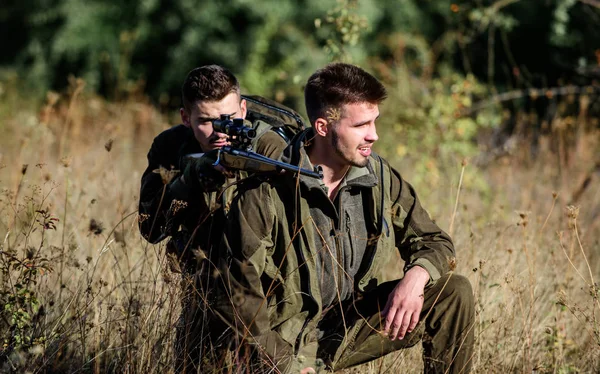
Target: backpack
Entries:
(283, 120)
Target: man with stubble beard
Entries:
(304, 278)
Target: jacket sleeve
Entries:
(162, 193)
(165, 200)
(421, 241)
(239, 295)
(270, 144)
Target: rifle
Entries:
(240, 156)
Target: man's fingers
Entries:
(413, 322)
(396, 325)
(388, 314)
(416, 315)
(404, 325)
(415, 318)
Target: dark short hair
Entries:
(208, 83)
(338, 84)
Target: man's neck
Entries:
(333, 172)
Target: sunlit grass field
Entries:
(83, 292)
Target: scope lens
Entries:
(221, 125)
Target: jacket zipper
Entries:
(338, 245)
(308, 319)
(350, 239)
(339, 265)
(381, 223)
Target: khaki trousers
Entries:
(446, 330)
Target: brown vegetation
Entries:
(83, 292)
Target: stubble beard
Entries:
(335, 143)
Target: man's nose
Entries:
(372, 134)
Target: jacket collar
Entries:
(296, 154)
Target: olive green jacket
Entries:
(269, 288)
(170, 207)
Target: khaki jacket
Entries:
(169, 207)
(269, 287)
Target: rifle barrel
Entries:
(276, 163)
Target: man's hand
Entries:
(404, 304)
(202, 173)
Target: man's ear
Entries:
(185, 117)
(321, 127)
(243, 108)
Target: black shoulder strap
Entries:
(381, 198)
(275, 112)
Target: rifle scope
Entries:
(233, 127)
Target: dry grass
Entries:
(85, 293)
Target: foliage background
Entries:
(492, 114)
(275, 44)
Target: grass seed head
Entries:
(199, 255)
(524, 216)
(178, 205)
(452, 263)
(572, 211)
(108, 145)
(165, 174)
(96, 227)
(65, 161)
(143, 217)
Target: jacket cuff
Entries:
(434, 273)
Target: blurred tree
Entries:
(114, 47)
(274, 45)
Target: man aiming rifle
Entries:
(182, 197)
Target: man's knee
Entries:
(460, 287)
(457, 289)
